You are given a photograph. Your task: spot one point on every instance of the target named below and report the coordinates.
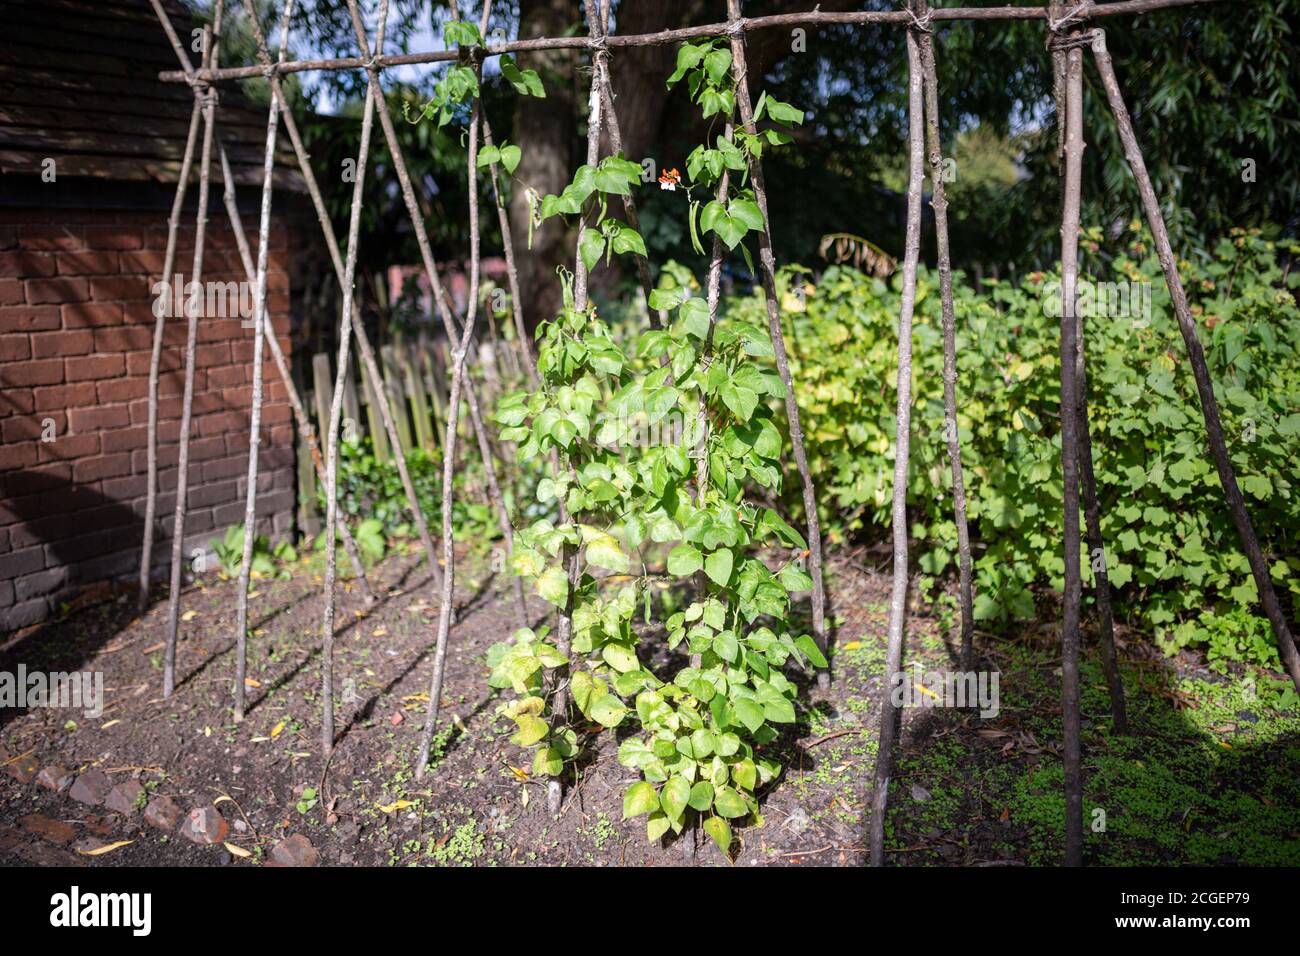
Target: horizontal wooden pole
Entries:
(745, 24)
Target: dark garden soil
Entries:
(968, 791)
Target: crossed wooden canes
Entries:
(1069, 32)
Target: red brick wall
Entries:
(76, 328)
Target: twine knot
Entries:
(1057, 42)
(920, 24)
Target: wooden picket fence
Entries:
(415, 385)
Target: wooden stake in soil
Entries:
(1087, 477)
(305, 429)
(569, 554)
(713, 290)
(602, 83)
(364, 348)
(1097, 547)
(255, 413)
(767, 264)
(458, 374)
(495, 496)
(211, 47)
(1286, 646)
(336, 410)
(512, 271)
(712, 293)
(155, 361)
(1072, 187)
(889, 714)
(952, 432)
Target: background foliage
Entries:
(1171, 548)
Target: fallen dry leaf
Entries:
(107, 848)
(238, 851)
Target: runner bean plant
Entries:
(676, 512)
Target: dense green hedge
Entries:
(1171, 547)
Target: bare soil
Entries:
(478, 805)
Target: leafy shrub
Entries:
(1237, 636)
(1170, 545)
(267, 560)
(371, 489)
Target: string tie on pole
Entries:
(920, 24)
(206, 94)
(1058, 42)
(1059, 39)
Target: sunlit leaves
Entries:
(525, 82)
(638, 799)
(507, 154)
(719, 831)
(553, 585)
(684, 560)
(461, 33)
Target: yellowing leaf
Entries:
(111, 723)
(189, 615)
(108, 848)
(395, 805)
(238, 851)
(519, 772)
(252, 682)
(851, 646)
(379, 632)
(277, 730)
